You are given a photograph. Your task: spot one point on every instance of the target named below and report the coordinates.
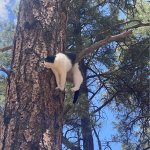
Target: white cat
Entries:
(65, 68)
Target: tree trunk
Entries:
(86, 127)
(1, 117)
(32, 117)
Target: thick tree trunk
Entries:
(32, 117)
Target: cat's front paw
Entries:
(74, 89)
(60, 88)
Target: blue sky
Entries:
(6, 11)
(3, 10)
(7, 15)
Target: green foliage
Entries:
(131, 80)
(143, 14)
(6, 35)
(120, 68)
(6, 38)
(143, 10)
(5, 58)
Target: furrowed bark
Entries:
(32, 117)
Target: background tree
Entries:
(134, 107)
(106, 56)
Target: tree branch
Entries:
(139, 25)
(68, 144)
(5, 48)
(105, 103)
(147, 148)
(105, 41)
(101, 43)
(117, 26)
(97, 136)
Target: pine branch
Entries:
(101, 43)
(5, 48)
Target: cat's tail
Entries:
(76, 95)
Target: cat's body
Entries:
(65, 69)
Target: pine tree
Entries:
(32, 116)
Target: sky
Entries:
(7, 15)
(3, 9)
(6, 11)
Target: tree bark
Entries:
(86, 127)
(32, 116)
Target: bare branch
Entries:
(5, 48)
(101, 43)
(98, 140)
(105, 103)
(147, 148)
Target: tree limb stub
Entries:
(5, 48)
(101, 43)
